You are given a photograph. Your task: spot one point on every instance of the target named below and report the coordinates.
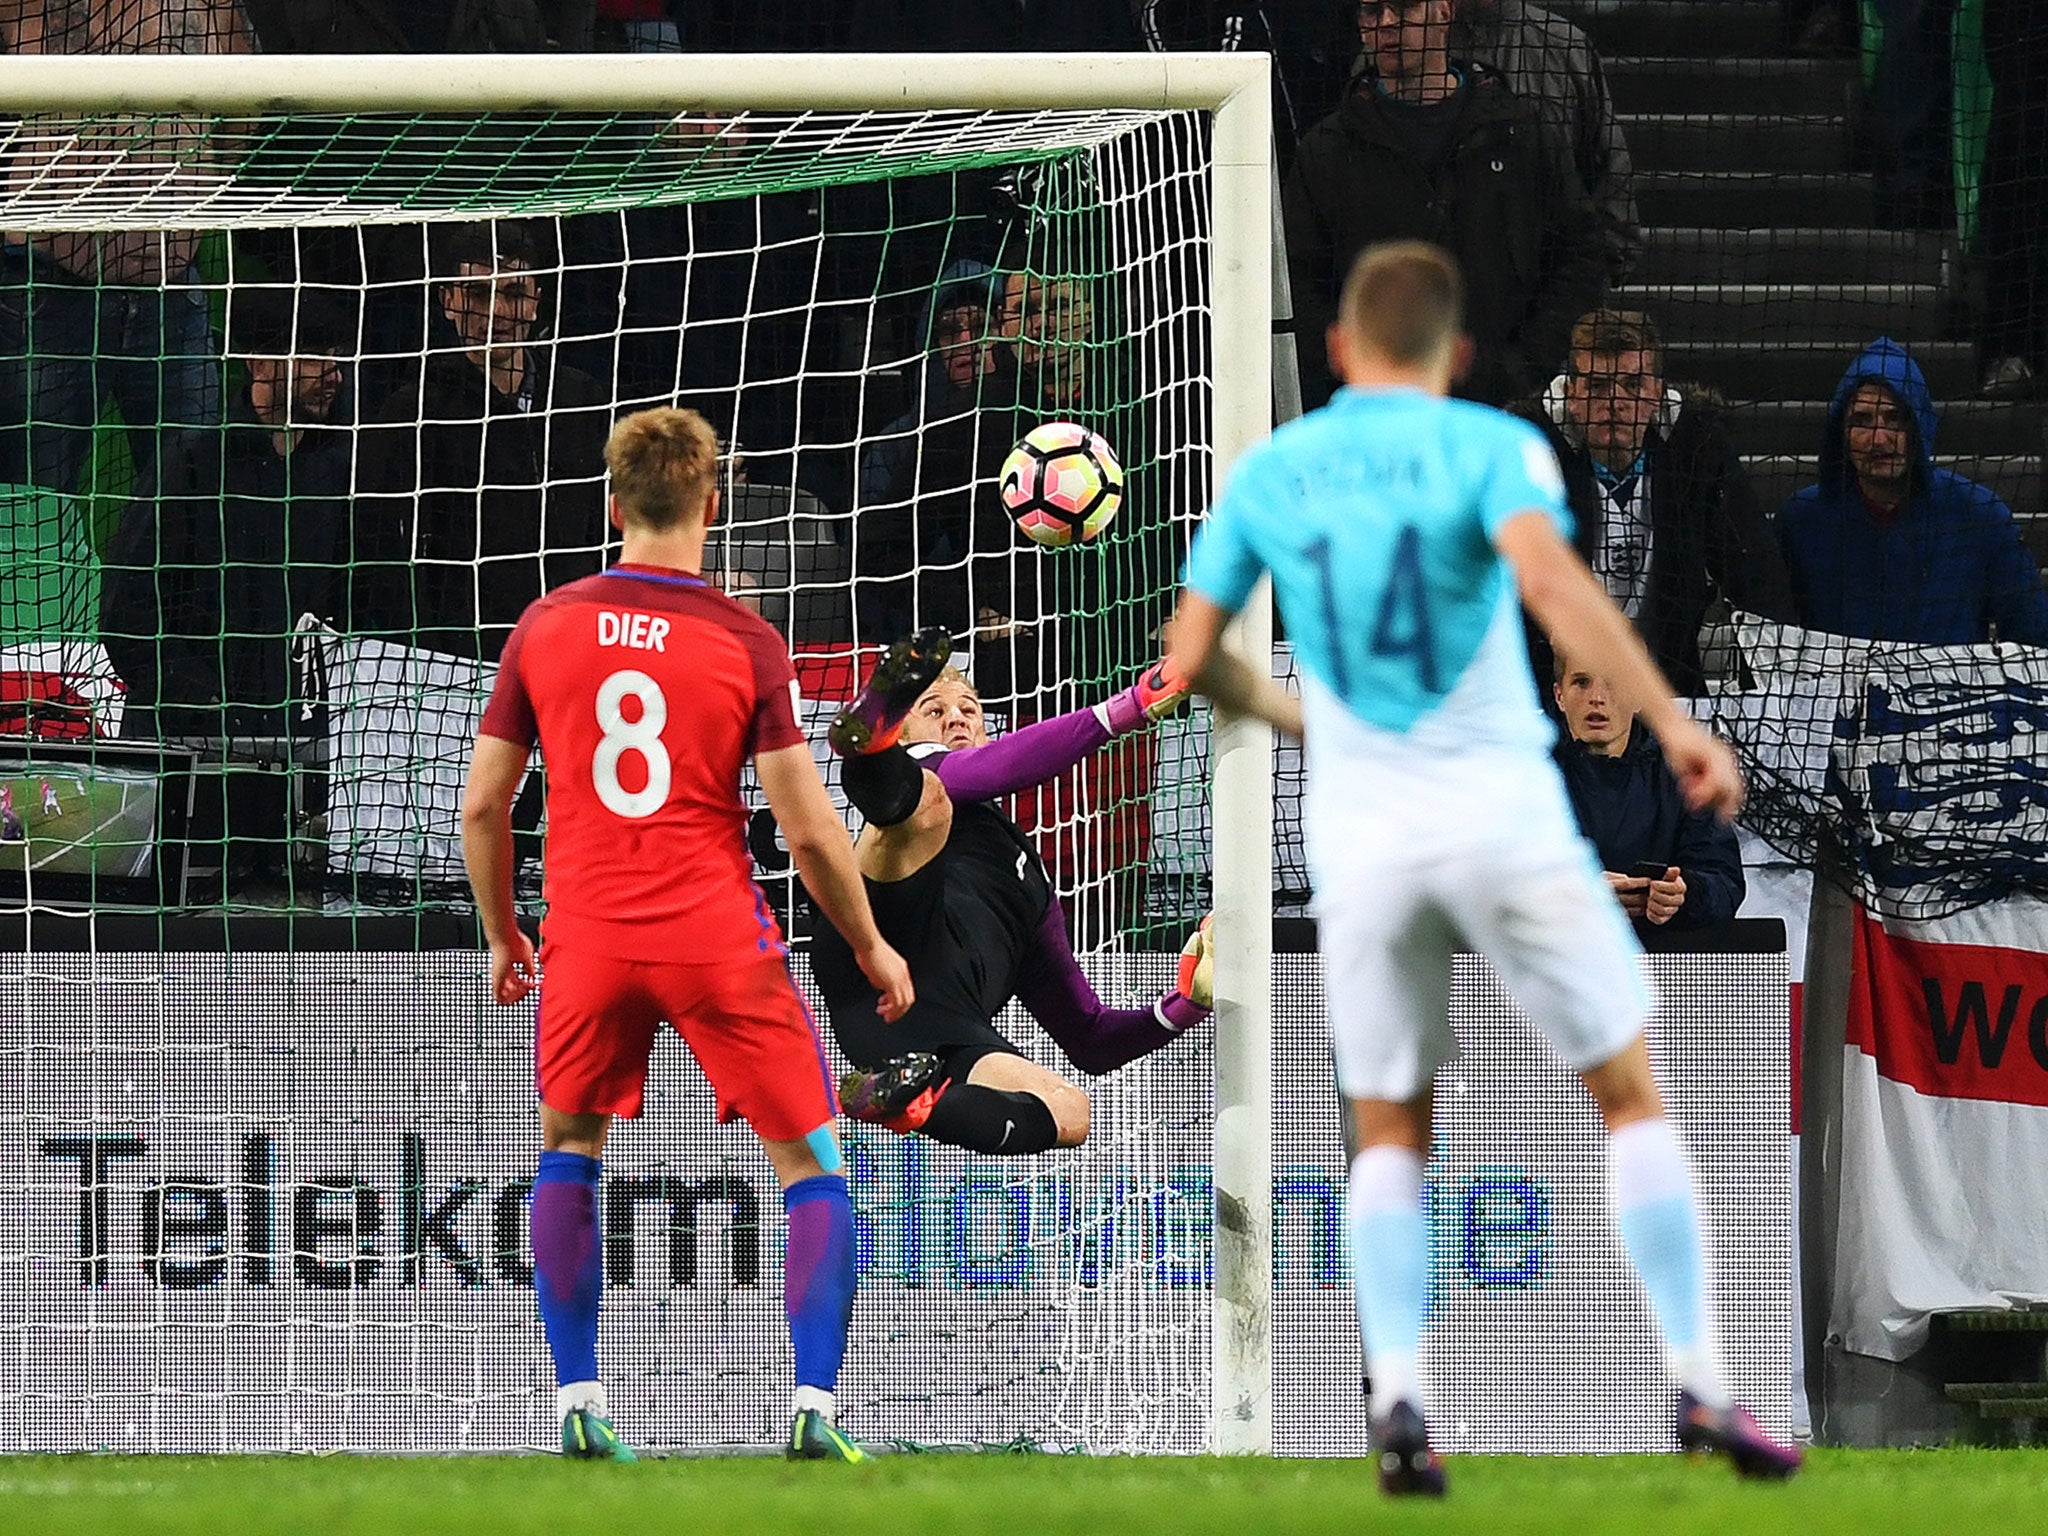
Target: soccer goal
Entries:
(262, 1176)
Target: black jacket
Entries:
(1709, 538)
(1506, 201)
(1630, 809)
(204, 584)
(464, 520)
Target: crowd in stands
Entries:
(340, 480)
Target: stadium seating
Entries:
(1762, 261)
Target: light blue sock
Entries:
(1386, 1240)
(1656, 1215)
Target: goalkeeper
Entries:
(962, 895)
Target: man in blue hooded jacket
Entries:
(1887, 546)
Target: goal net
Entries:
(318, 372)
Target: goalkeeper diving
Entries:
(961, 893)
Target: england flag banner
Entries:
(1926, 763)
(1944, 1123)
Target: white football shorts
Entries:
(1475, 853)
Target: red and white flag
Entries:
(1944, 1195)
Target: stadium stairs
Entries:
(1763, 263)
(2016, 1410)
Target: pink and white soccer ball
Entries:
(1062, 484)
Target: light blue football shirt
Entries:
(1376, 516)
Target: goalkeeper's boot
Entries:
(898, 1095)
(589, 1436)
(873, 719)
(1735, 1433)
(1400, 1446)
(813, 1437)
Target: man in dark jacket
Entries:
(1547, 60)
(927, 482)
(482, 485)
(1631, 811)
(207, 581)
(1666, 514)
(1426, 149)
(1887, 546)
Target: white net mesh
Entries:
(269, 1199)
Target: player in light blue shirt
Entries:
(1400, 527)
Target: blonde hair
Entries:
(664, 466)
(952, 674)
(1403, 301)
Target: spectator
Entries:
(1629, 806)
(1547, 60)
(1050, 322)
(1425, 148)
(2013, 200)
(89, 317)
(207, 585)
(1666, 514)
(388, 261)
(209, 578)
(481, 484)
(1886, 545)
(207, 582)
(924, 482)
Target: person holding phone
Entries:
(1666, 865)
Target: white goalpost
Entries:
(210, 1157)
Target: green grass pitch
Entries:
(1868, 1493)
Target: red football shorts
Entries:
(742, 1020)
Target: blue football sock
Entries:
(1387, 1243)
(1656, 1216)
(818, 1277)
(568, 1269)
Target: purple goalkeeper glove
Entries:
(1158, 692)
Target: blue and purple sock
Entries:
(568, 1266)
(818, 1282)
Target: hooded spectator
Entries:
(1887, 545)
(927, 482)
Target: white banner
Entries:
(402, 724)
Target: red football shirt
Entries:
(647, 689)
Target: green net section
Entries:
(161, 171)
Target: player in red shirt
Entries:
(647, 689)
